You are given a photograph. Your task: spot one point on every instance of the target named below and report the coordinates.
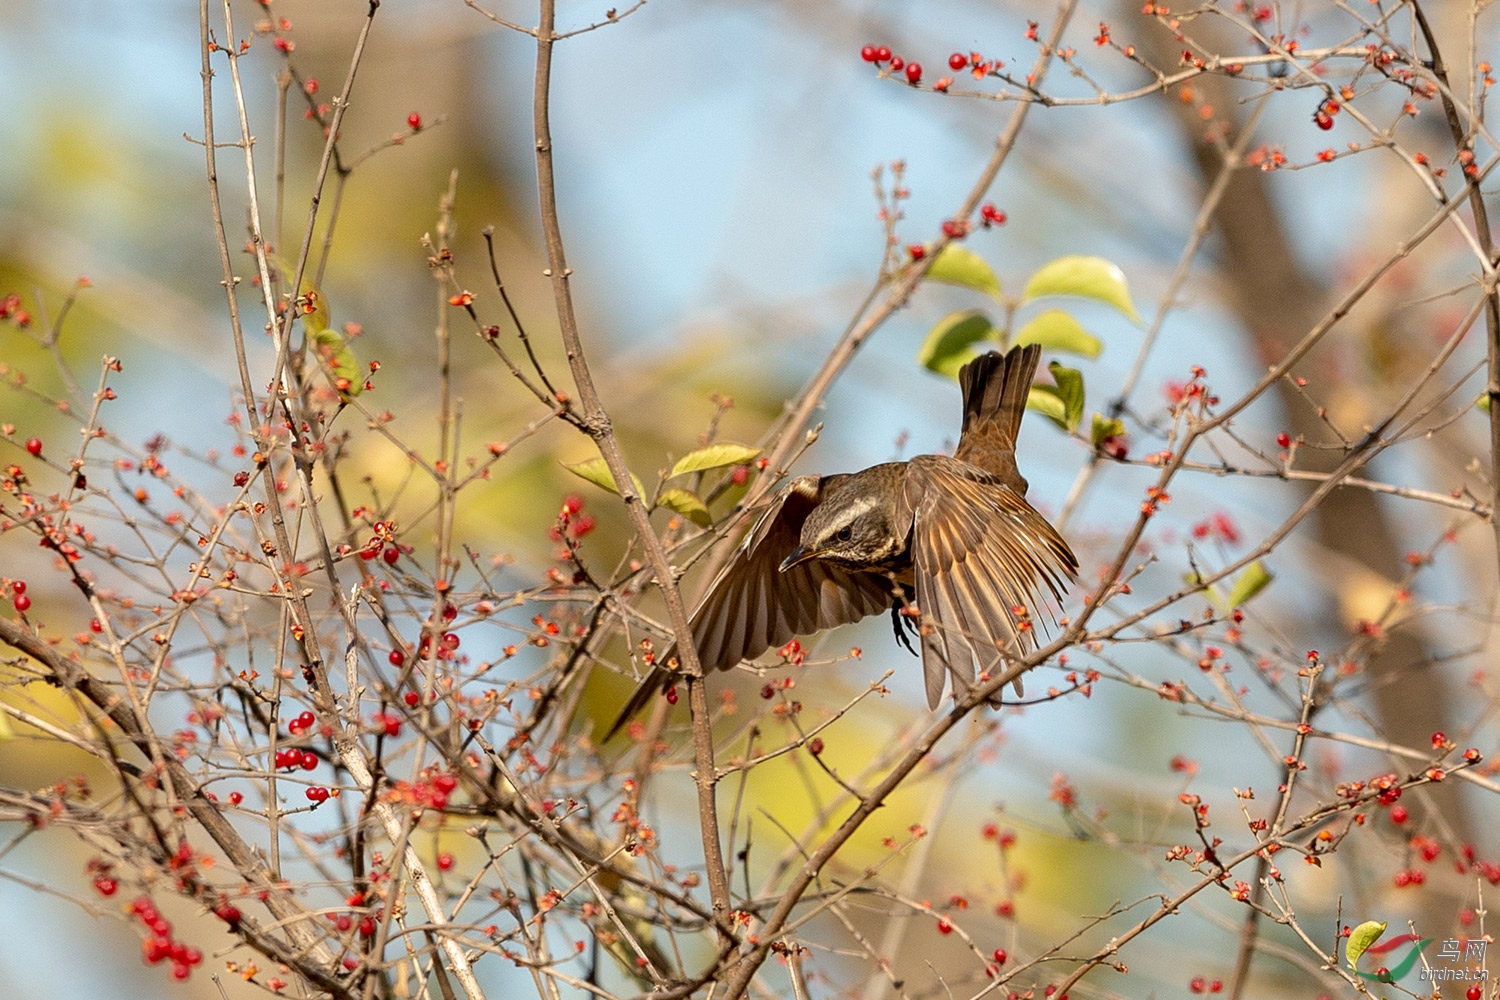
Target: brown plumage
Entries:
(954, 535)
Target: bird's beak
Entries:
(799, 555)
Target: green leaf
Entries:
(1069, 389)
(1361, 938)
(323, 341)
(1088, 277)
(1253, 579)
(311, 305)
(956, 265)
(597, 472)
(1056, 330)
(1195, 580)
(715, 456)
(333, 351)
(686, 503)
(1045, 400)
(1105, 428)
(949, 344)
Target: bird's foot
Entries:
(901, 623)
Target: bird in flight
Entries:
(949, 542)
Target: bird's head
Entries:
(855, 525)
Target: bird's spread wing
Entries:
(751, 607)
(982, 556)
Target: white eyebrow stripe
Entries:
(856, 510)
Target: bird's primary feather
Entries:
(981, 556)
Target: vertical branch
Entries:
(597, 424)
(1463, 141)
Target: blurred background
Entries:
(715, 166)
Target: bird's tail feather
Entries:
(995, 387)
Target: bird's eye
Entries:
(845, 533)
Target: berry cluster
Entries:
(18, 599)
(10, 309)
(159, 945)
(432, 793)
(882, 55)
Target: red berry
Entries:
(1323, 120)
(957, 61)
(18, 587)
(317, 793)
(896, 63)
(916, 251)
(815, 745)
(913, 72)
(1399, 814)
(882, 54)
(867, 53)
(672, 695)
(414, 120)
(34, 445)
(944, 927)
(991, 215)
(1439, 738)
(1000, 956)
(445, 783)
(1216, 986)
(397, 657)
(306, 720)
(229, 913)
(94, 626)
(444, 861)
(391, 555)
(412, 698)
(1283, 440)
(106, 886)
(1197, 984)
(367, 927)
(309, 760)
(22, 602)
(154, 949)
(235, 798)
(1473, 993)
